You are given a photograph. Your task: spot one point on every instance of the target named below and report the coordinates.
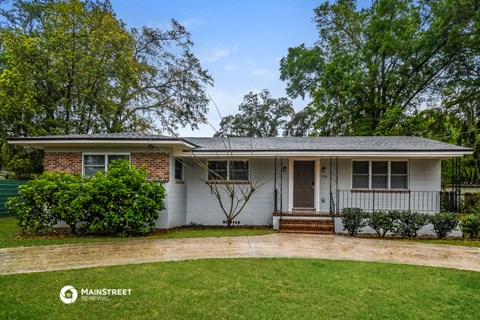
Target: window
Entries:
(360, 174)
(235, 170)
(398, 175)
(178, 169)
(239, 170)
(92, 163)
(379, 174)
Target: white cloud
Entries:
(230, 67)
(192, 23)
(263, 74)
(215, 53)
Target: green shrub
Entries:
(65, 209)
(444, 223)
(408, 223)
(36, 203)
(116, 201)
(382, 221)
(471, 203)
(470, 225)
(353, 220)
(121, 200)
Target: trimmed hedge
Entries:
(405, 223)
(444, 223)
(117, 201)
(470, 225)
(382, 221)
(409, 223)
(353, 220)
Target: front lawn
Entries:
(10, 235)
(249, 289)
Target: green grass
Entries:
(249, 289)
(10, 235)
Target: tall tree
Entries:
(461, 93)
(373, 69)
(260, 116)
(73, 67)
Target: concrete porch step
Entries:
(302, 214)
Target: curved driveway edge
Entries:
(63, 257)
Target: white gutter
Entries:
(409, 154)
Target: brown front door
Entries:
(303, 184)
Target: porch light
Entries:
(284, 169)
(324, 169)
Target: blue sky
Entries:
(239, 42)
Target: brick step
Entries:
(319, 226)
(307, 231)
(308, 221)
(305, 227)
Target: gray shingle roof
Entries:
(338, 143)
(278, 144)
(101, 136)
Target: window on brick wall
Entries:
(92, 163)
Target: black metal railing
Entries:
(373, 200)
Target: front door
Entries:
(303, 184)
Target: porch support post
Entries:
(317, 185)
(290, 184)
(457, 184)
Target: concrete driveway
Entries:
(63, 257)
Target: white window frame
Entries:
(389, 174)
(106, 158)
(228, 170)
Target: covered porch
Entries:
(311, 192)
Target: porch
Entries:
(307, 220)
(312, 193)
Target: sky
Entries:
(239, 42)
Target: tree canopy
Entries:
(373, 69)
(73, 67)
(260, 116)
(397, 67)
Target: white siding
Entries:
(175, 214)
(176, 202)
(203, 207)
(325, 186)
(344, 181)
(425, 175)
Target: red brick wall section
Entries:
(69, 162)
(157, 165)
